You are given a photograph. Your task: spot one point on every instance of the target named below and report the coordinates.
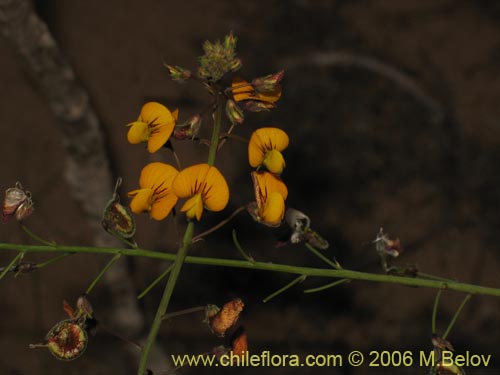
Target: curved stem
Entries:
(36, 237)
(219, 225)
(265, 266)
(322, 257)
(165, 299)
(434, 310)
(240, 249)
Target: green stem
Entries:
(219, 225)
(322, 257)
(286, 287)
(156, 281)
(240, 249)
(327, 286)
(219, 104)
(165, 299)
(16, 259)
(101, 274)
(36, 237)
(184, 312)
(455, 317)
(264, 266)
(52, 260)
(434, 310)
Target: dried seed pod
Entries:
(227, 317)
(17, 202)
(116, 218)
(66, 341)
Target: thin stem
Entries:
(327, 286)
(434, 310)
(286, 287)
(16, 259)
(264, 266)
(184, 312)
(52, 260)
(455, 317)
(212, 153)
(432, 277)
(35, 237)
(165, 299)
(240, 249)
(156, 281)
(322, 257)
(219, 225)
(101, 274)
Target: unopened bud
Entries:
(268, 83)
(83, 306)
(178, 73)
(230, 41)
(188, 129)
(257, 106)
(235, 65)
(233, 112)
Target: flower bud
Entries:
(257, 106)
(178, 73)
(188, 129)
(18, 203)
(233, 112)
(230, 41)
(268, 83)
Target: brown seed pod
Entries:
(227, 317)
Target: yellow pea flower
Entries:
(265, 148)
(154, 125)
(204, 186)
(255, 100)
(155, 194)
(270, 196)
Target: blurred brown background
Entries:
(392, 110)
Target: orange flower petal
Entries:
(274, 161)
(138, 132)
(242, 90)
(155, 175)
(155, 113)
(188, 182)
(141, 201)
(216, 192)
(274, 209)
(159, 136)
(193, 207)
(162, 206)
(264, 140)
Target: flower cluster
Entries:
(202, 185)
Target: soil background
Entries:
(367, 151)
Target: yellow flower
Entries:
(257, 101)
(204, 186)
(270, 196)
(155, 193)
(154, 125)
(265, 148)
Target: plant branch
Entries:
(219, 225)
(265, 266)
